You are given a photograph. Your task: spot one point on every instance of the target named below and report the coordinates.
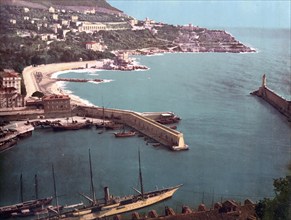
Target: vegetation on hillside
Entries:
(278, 208)
(86, 3)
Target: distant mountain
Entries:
(64, 4)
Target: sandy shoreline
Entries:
(39, 78)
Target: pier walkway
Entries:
(147, 126)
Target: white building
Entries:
(26, 10)
(10, 79)
(51, 10)
(95, 46)
(91, 27)
(13, 21)
(74, 18)
(55, 16)
(65, 22)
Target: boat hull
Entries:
(150, 199)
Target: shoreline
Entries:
(42, 77)
(46, 82)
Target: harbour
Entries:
(216, 166)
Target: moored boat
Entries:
(71, 126)
(24, 208)
(111, 205)
(125, 134)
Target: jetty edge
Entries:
(278, 102)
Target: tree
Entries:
(278, 208)
(37, 94)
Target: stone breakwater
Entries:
(278, 102)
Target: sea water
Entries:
(238, 143)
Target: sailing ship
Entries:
(111, 205)
(25, 208)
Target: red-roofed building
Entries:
(56, 103)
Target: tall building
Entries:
(10, 79)
(10, 90)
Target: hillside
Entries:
(70, 4)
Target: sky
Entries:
(209, 13)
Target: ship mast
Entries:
(55, 189)
(36, 186)
(91, 177)
(140, 175)
(21, 188)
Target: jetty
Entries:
(143, 123)
(278, 102)
(147, 124)
(10, 134)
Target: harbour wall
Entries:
(277, 101)
(144, 125)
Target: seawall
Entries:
(278, 102)
(145, 125)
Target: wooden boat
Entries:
(111, 205)
(6, 145)
(71, 126)
(125, 134)
(24, 208)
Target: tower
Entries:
(264, 81)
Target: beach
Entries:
(39, 78)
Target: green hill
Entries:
(61, 3)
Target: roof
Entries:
(92, 42)
(55, 97)
(8, 74)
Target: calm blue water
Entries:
(238, 143)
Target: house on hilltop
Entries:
(52, 10)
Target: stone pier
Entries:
(147, 126)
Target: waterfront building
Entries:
(10, 79)
(56, 103)
(9, 98)
(10, 89)
(122, 58)
(91, 27)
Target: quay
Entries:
(142, 122)
(278, 102)
(12, 132)
(164, 135)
